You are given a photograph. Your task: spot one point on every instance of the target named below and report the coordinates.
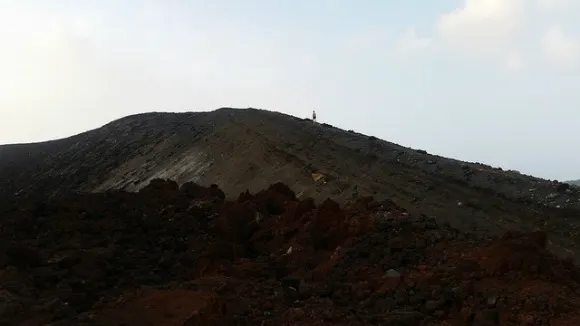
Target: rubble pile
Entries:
(171, 255)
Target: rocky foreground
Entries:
(170, 255)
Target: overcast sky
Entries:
(495, 81)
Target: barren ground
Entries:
(185, 257)
(75, 249)
(240, 149)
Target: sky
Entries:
(492, 81)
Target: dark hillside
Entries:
(240, 149)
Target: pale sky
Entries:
(494, 81)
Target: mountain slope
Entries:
(251, 149)
(574, 182)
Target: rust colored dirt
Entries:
(171, 255)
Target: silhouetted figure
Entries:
(313, 115)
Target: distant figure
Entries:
(313, 115)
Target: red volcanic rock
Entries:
(171, 255)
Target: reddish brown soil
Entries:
(184, 256)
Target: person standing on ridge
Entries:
(313, 115)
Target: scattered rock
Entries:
(185, 256)
(392, 273)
